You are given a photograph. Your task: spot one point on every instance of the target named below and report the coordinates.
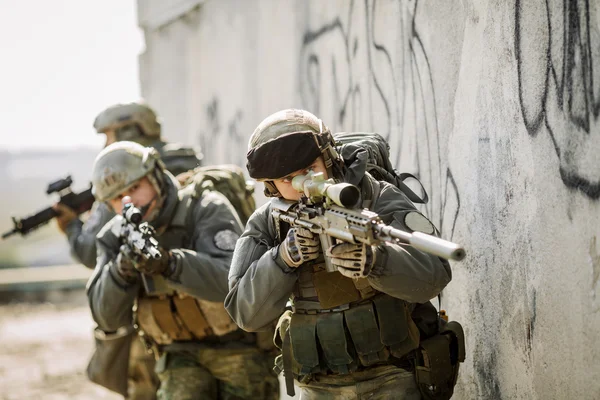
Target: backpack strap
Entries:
(412, 196)
(187, 200)
(370, 190)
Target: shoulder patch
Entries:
(226, 239)
(415, 221)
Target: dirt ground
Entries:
(45, 344)
(44, 350)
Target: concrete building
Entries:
(493, 104)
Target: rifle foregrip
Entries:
(436, 246)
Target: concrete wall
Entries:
(494, 104)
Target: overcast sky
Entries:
(62, 62)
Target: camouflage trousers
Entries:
(379, 383)
(217, 373)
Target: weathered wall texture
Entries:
(494, 104)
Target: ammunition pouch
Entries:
(179, 317)
(340, 342)
(438, 360)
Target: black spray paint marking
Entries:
(567, 77)
(330, 70)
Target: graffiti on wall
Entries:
(559, 84)
(357, 76)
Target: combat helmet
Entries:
(287, 141)
(120, 165)
(132, 121)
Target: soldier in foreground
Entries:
(138, 123)
(358, 331)
(178, 295)
(134, 122)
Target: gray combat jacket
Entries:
(82, 236)
(201, 267)
(260, 284)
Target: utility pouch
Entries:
(304, 342)
(362, 324)
(398, 331)
(334, 289)
(192, 316)
(332, 337)
(147, 323)
(109, 364)
(438, 360)
(166, 319)
(217, 317)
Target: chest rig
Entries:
(340, 325)
(165, 315)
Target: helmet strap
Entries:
(333, 162)
(271, 189)
(156, 178)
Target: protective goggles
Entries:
(283, 155)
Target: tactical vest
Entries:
(339, 324)
(166, 315)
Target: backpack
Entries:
(178, 158)
(229, 180)
(379, 164)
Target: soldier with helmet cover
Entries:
(351, 333)
(203, 354)
(134, 122)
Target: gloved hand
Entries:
(65, 215)
(125, 263)
(299, 246)
(352, 260)
(153, 266)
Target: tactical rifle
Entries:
(79, 202)
(140, 238)
(329, 209)
(138, 235)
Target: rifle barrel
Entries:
(427, 243)
(9, 233)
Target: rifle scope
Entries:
(316, 188)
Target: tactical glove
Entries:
(154, 266)
(352, 260)
(65, 216)
(299, 246)
(125, 263)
